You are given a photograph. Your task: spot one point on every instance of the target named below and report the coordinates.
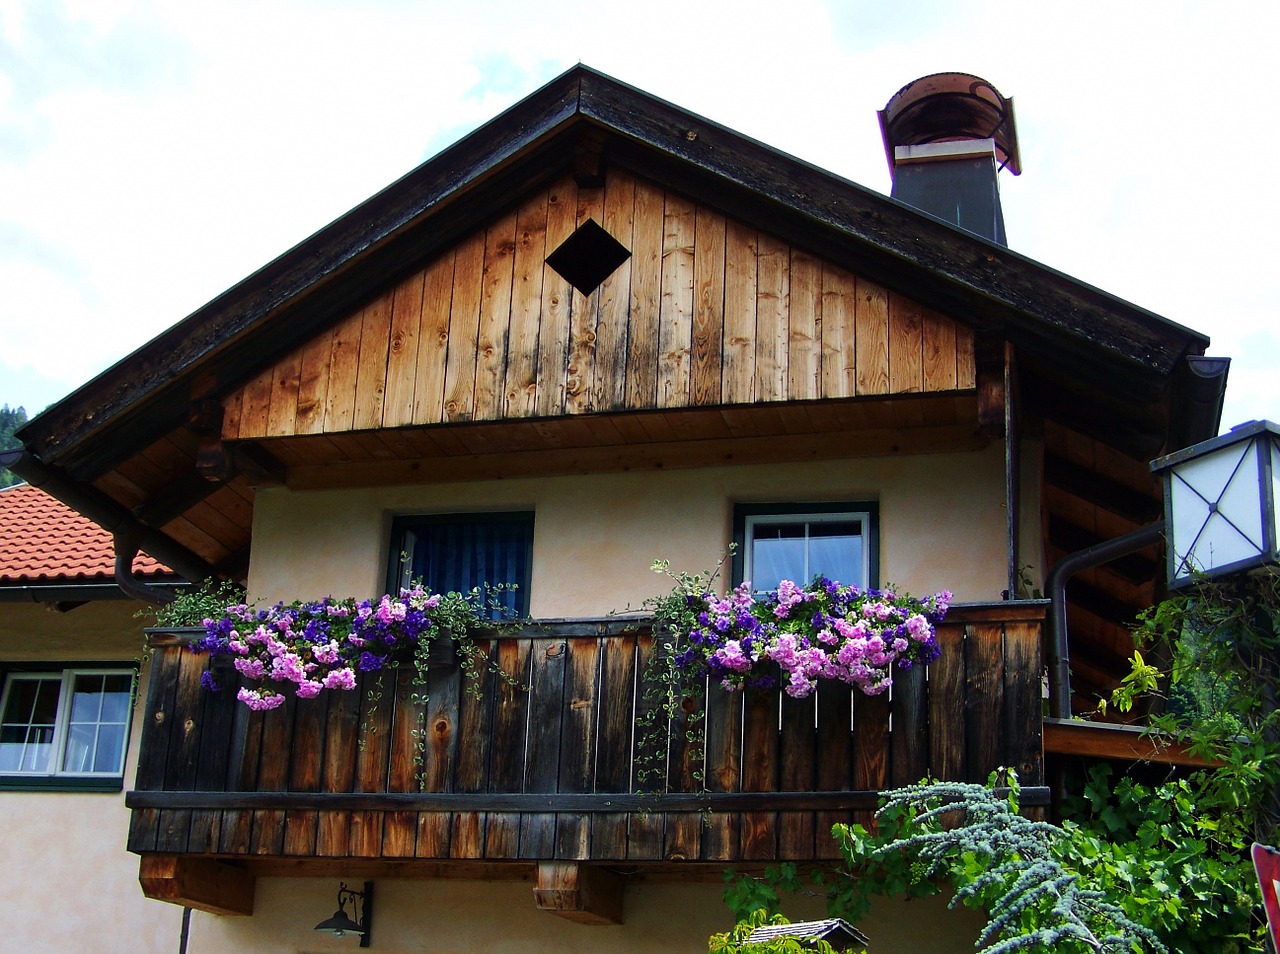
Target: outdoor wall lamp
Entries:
(1220, 499)
(341, 923)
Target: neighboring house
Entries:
(598, 331)
(69, 651)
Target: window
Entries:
(797, 542)
(67, 728)
(461, 551)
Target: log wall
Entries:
(549, 771)
(705, 311)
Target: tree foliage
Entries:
(11, 419)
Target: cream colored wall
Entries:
(69, 884)
(500, 918)
(942, 521)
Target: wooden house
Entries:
(597, 331)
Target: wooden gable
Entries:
(705, 311)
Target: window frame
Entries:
(58, 779)
(817, 511)
(398, 570)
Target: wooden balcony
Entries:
(509, 781)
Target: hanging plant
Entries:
(790, 637)
(310, 646)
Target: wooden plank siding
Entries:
(546, 770)
(705, 311)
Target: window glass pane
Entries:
(26, 732)
(117, 694)
(798, 548)
(86, 699)
(38, 750)
(109, 756)
(463, 552)
(80, 745)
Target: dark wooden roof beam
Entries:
(1136, 569)
(1111, 495)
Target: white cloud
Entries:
(154, 153)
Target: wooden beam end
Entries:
(200, 883)
(580, 893)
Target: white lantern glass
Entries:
(1220, 500)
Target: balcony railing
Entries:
(548, 772)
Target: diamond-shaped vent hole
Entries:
(587, 257)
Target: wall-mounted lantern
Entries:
(342, 924)
(1220, 500)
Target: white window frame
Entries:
(62, 720)
(752, 514)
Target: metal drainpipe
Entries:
(1056, 584)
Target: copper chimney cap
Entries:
(950, 107)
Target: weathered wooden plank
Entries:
(255, 413)
(938, 335)
(402, 352)
(706, 362)
(646, 297)
(236, 827)
(344, 359)
(557, 300)
(452, 297)
(218, 720)
(686, 769)
(616, 704)
(273, 776)
(984, 680)
(449, 284)
(371, 367)
(760, 770)
(542, 765)
(644, 831)
(947, 705)
(966, 359)
(723, 771)
(773, 307)
(872, 345)
(804, 340)
(313, 384)
(184, 726)
(906, 346)
(521, 382)
(578, 743)
(399, 829)
(741, 259)
(475, 724)
(835, 758)
(675, 313)
(798, 755)
(909, 739)
(579, 383)
(508, 747)
(285, 380)
(1023, 718)
(609, 384)
(306, 763)
(338, 774)
(477, 359)
(871, 746)
(378, 692)
(839, 333)
(439, 754)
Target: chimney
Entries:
(946, 136)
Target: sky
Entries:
(154, 153)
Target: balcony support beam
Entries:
(201, 883)
(581, 893)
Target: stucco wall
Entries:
(69, 884)
(500, 918)
(942, 525)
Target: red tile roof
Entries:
(44, 541)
